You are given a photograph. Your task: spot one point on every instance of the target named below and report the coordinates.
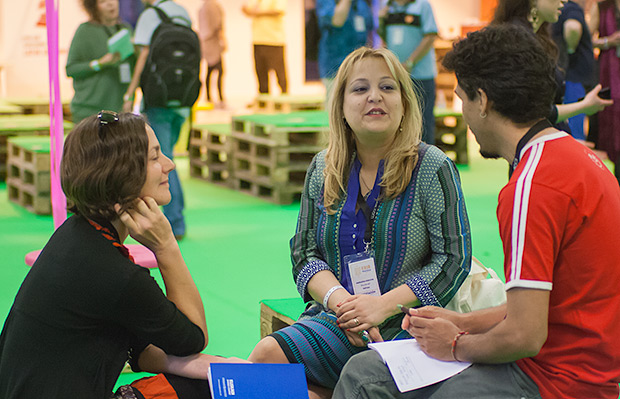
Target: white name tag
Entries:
(364, 277)
(125, 72)
(359, 23)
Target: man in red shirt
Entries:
(559, 218)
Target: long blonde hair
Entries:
(400, 159)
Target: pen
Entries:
(403, 309)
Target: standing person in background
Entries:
(576, 58)
(268, 37)
(345, 25)
(211, 33)
(100, 78)
(605, 25)
(166, 122)
(410, 31)
(535, 16)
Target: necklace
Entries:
(366, 186)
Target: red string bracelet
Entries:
(454, 341)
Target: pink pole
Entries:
(59, 201)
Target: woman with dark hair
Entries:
(536, 15)
(382, 221)
(100, 78)
(85, 308)
(605, 23)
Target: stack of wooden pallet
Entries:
(209, 149)
(28, 180)
(265, 155)
(271, 153)
(22, 125)
(451, 134)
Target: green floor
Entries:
(237, 249)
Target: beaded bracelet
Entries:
(454, 341)
(329, 293)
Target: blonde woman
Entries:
(379, 198)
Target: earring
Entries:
(533, 16)
(483, 115)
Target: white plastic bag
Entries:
(478, 290)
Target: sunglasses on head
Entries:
(106, 118)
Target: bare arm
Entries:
(135, 79)
(590, 104)
(341, 13)
(322, 282)
(155, 360)
(423, 48)
(148, 225)
(593, 21)
(572, 35)
(521, 334)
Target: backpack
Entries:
(171, 76)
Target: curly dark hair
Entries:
(517, 12)
(510, 65)
(100, 170)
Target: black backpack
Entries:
(171, 76)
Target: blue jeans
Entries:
(166, 124)
(426, 91)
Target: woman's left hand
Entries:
(361, 312)
(147, 224)
(356, 339)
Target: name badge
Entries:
(125, 72)
(359, 23)
(398, 35)
(363, 274)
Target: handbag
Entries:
(481, 289)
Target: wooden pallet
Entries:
(209, 150)
(294, 129)
(281, 165)
(279, 313)
(38, 106)
(451, 134)
(28, 180)
(21, 125)
(262, 187)
(27, 196)
(288, 103)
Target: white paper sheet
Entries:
(411, 368)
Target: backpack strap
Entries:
(165, 18)
(162, 15)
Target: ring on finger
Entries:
(357, 322)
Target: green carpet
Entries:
(237, 249)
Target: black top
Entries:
(82, 309)
(579, 66)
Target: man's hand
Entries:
(434, 335)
